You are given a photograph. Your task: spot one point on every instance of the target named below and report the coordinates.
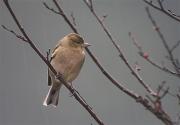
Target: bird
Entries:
(67, 59)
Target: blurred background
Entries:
(23, 75)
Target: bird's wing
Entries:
(52, 56)
(49, 79)
(57, 46)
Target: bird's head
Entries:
(74, 40)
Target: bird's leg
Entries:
(58, 75)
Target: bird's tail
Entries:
(52, 97)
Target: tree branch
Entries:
(160, 4)
(165, 118)
(51, 9)
(145, 85)
(175, 46)
(98, 64)
(173, 16)
(14, 33)
(148, 59)
(58, 76)
(161, 36)
(162, 115)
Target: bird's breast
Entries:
(68, 63)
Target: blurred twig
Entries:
(146, 56)
(14, 33)
(51, 8)
(73, 19)
(161, 9)
(161, 36)
(175, 46)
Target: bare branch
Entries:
(175, 46)
(90, 4)
(178, 96)
(64, 16)
(14, 33)
(165, 69)
(135, 42)
(73, 19)
(160, 87)
(161, 36)
(162, 10)
(104, 28)
(51, 9)
(170, 11)
(145, 56)
(58, 76)
(165, 93)
(121, 55)
(160, 4)
(161, 115)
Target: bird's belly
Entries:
(69, 70)
(72, 75)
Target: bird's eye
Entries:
(78, 42)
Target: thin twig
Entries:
(173, 13)
(178, 96)
(165, 69)
(49, 8)
(162, 10)
(165, 93)
(73, 19)
(160, 4)
(148, 59)
(64, 16)
(161, 86)
(175, 46)
(161, 36)
(14, 33)
(90, 4)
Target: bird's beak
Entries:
(86, 45)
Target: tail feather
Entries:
(52, 97)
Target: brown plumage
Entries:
(67, 58)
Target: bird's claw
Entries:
(58, 75)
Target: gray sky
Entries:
(24, 75)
